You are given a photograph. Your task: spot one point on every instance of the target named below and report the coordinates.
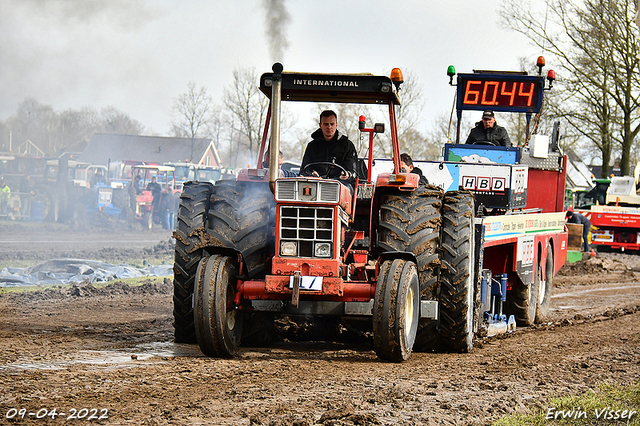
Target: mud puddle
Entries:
(138, 356)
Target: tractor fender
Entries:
(225, 251)
(388, 255)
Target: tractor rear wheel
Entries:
(545, 286)
(457, 272)
(218, 323)
(192, 216)
(410, 222)
(396, 310)
(239, 218)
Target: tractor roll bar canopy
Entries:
(333, 88)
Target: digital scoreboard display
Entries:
(498, 92)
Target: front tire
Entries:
(218, 322)
(457, 273)
(396, 310)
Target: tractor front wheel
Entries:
(217, 321)
(396, 310)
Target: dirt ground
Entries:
(110, 351)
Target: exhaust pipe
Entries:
(274, 143)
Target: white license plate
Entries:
(308, 283)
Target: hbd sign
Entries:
(482, 183)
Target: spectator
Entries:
(575, 217)
(282, 173)
(488, 130)
(134, 190)
(5, 192)
(406, 163)
(27, 191)
(156, 192)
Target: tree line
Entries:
(592, 45)
(54, 132)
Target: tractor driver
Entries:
(328, 146)
(488, 130)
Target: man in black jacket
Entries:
(575, 217)
(329, 146)
(488, 130)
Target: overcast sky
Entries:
(137, 55)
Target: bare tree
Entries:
(192, 114)
(408, 113)
(248, 107)
(118, 122)
(596, 44)
(54, 132)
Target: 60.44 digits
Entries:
(73, 414)
(499, 93)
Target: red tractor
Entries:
(396, 257)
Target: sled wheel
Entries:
(217, 321)
(544, 287)
(522, 301)
(396, 310)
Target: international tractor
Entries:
(420, 267)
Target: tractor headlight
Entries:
(288, 248)
(323, 250)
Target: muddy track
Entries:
(111, 349)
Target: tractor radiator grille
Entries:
(307, 190)
(306, 231)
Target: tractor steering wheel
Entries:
(325, 163)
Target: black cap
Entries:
(487, 114)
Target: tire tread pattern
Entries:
(411, 222)
(194, 204)
(456, 268)
(239, 218)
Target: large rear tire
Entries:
(545, 287)
(218, 323)
(239, 218)
(457, 272)
(396, 310)
(411, 222)
(192, 215)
